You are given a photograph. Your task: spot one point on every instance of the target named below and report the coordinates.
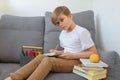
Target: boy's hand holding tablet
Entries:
(54, 52)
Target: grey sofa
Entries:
(16, 31)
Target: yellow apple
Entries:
(95, 58)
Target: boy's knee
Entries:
(48, 59)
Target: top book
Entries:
(51, 54)
(88, 63)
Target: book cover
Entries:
(87, 62)
(51, 54)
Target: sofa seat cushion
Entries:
(64, 76)
(7, 68)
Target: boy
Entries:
(75, 40)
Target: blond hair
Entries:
(59, 10)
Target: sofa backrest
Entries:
(18, 31)
(34, 31)
(51, 35)
(86, 19)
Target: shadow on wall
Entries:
(98, 33)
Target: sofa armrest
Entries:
(112, 58)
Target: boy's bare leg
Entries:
(25, 71)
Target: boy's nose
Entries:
(61, 24)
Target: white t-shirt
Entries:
(78, 40)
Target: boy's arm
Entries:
(86, 53)
(58, 49)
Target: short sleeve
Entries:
(86, 40)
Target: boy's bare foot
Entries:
(8, 78)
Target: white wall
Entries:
(3, 7)
(39, 7)
(108, 23)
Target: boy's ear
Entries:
(70, 15)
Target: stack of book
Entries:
(91, 72)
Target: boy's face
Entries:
(64, 22)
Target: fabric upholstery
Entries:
(109, 57)
(6, 68)
(113, 60)
(18, 31)
(51, 36)
(64, 76)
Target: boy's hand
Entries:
(53, 51)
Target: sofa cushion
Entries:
(86, 19)
(18, 31)
(7, 68)
(64, 76)
(110, 57)
(51, 35)
(51, 38)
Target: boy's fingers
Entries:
(53, 50)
